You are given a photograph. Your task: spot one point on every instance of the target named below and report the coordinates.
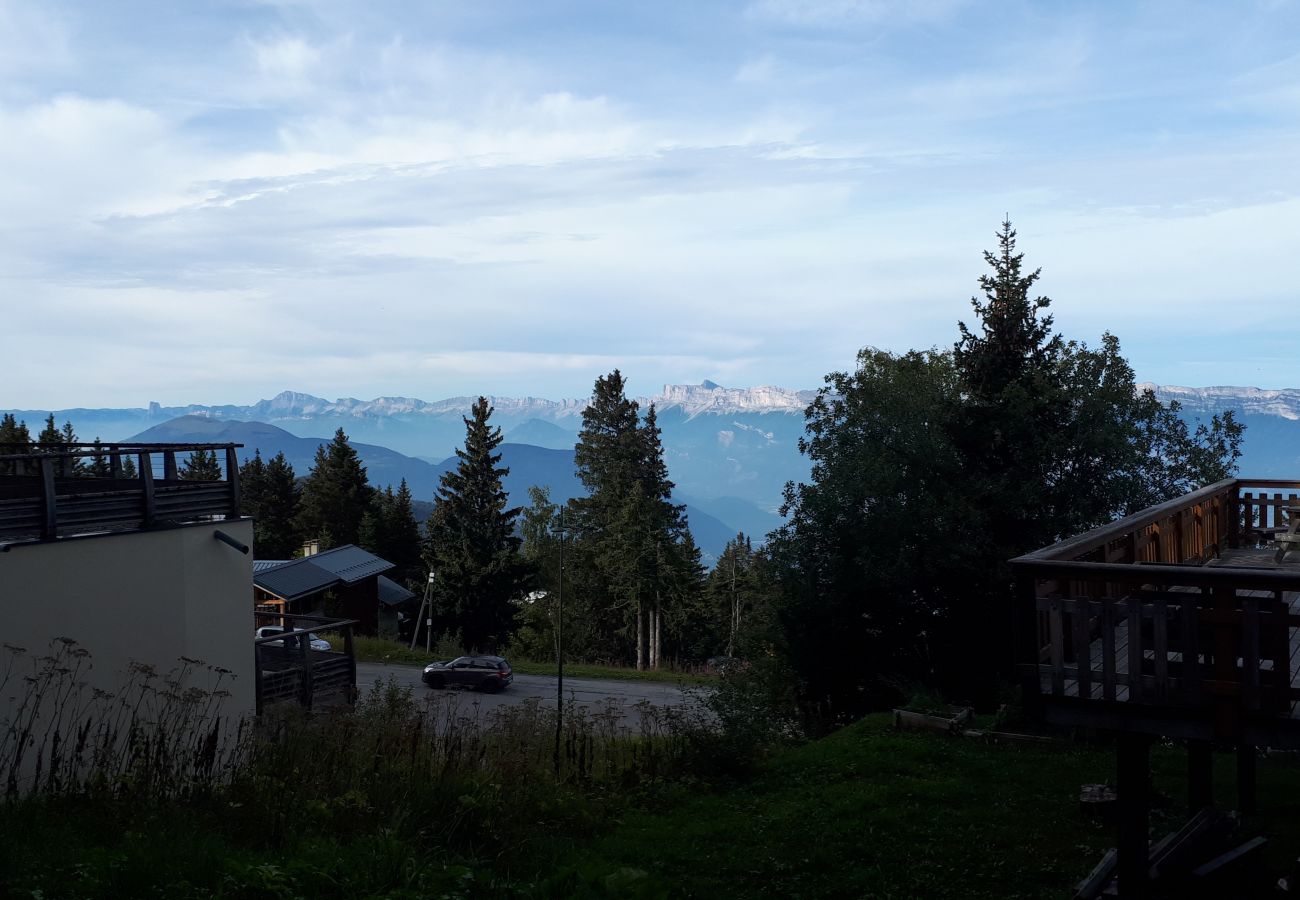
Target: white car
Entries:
(317, 643)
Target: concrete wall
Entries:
(150, 597)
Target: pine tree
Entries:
(269, 495)
(14, 439)
(335, 495)
(629, 551)
(405, 548)
(202, 465)
(276, 530)
(471, 546)
(99, 467)
(53, 439)
(128, 467)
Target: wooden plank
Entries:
(1092, 886)
(1134, 649)
(1080, 617)
(1108, 650)
(1057, 645)
(1160, 646)
(1250, 652)
(150, 511)
(1191, 651)
(1235, 858)
(49, 502)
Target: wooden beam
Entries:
(1133, 783)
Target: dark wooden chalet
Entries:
(1181, 621)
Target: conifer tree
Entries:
(99, 467)
(202, 465)
(629, 550)
(270, 496)
(931, 470)
(53, 439)
(471, 547)
(335, 495)
(128, 467)
(14, 439)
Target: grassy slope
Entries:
(873, 813)
(866, 812)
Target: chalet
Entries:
(350, 580)
(1180, 622)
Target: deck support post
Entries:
(1200, 775)
(1246, 779)
(1133, 780)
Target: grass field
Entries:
(865, 812)
(869, 812)
(374, 649)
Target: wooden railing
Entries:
(1130, 613)
(49, 495)
(289, 671)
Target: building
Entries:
(345, 581)
(150, 570)
(1180, 622)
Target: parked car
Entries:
(486, 673)
(317, 643)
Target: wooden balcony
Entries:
(1178, 621)
(47, 496)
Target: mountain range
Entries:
(730, 451)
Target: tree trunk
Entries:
(654, 636)
(640, 638)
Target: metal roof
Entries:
(391, 593)
(261, 565)
(350, 563)
(294, 579)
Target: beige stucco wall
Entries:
(150, 597)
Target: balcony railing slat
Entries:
(42, 499)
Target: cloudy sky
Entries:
(212, 202)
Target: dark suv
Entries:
(488, 673)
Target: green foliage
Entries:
(931, 469)
(202, 465)
(270, 495)
(15, 439)
(634, 565)
(389, 531)
(99, 466)
(471, 547)
(335, 495)
(54, 439)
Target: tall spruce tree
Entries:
(269, 494)
(471, 547)
(335, 495)
(389, 530)
(99, 467)
(630, 556)
(202, 465)
(14, 439)
(53, 439)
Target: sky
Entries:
(214, 202)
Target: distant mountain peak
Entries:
(1282, 402)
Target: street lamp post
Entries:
(559, 651)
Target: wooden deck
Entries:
(1112, 659)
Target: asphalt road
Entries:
(594, 695)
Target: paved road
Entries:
(595, 695)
